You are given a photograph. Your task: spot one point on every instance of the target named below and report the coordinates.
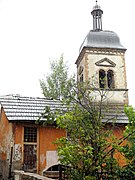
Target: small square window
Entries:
(30, 134)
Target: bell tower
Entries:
(102, 60)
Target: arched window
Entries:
(80, 72)
(106, 79)
(81, 78)
(102, 79)
(110, 79)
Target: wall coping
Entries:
(19, 172)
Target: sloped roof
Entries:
(114, 113)
(19, 108)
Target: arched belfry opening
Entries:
(102, 78)
(106, 79)
(110, 79)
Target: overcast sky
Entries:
(34, 31)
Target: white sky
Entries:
(34, 31)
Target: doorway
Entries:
(30, 149)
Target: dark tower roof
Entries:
(97, 38)
(102, 39)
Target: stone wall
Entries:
(91, 61)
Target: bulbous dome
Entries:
(102, 39)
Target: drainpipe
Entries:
(10, 163)
(11, 153)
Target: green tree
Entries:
(55, 84)
(86, 149)
(129, 149)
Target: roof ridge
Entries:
(25, 97)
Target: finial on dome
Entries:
(96, 6)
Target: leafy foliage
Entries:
(86, 148)
(90, 146)
(55, 84)
(129, 149)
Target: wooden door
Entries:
(30, 157)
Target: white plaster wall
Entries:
(51, 158)
(119, 69)
(111, 96)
